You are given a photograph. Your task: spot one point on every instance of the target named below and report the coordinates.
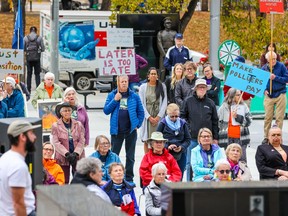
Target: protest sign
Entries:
(247, 78)
(116, 61)
(120, 37)
(268, 6)
(11, 61)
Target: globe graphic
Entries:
(73, 38)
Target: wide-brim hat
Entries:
(201, 82)
(60, 106)
(157, 136)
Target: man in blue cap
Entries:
(177, 54)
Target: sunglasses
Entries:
(273, 135)
(223, 171)
(176, 116)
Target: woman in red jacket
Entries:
(157, 154)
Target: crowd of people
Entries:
(181, 122)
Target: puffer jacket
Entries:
(153, 199)
(41, 93)
(55, 170)
(149, 159)
(15, 104)
(61, 140)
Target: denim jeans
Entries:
(193, 144)
(130, 144)
(182, 162)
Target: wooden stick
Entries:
(240, 98)
(271, 45)
(118, 82)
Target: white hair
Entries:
(158, 166)
(49, 75)
(85, 166)
(67, 90)
(222, 162)
(268, 54)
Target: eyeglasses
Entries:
(189, 69)
(48, 149)
(273, 135)
(223, 171)
(105, 144)
(205, 136)
(159, 141)
(201, 87)
(175, 116)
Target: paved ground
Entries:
(99, 124)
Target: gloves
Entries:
(71, 157)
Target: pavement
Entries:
(99, 124)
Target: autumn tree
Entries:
(244, 23)
(156, 6)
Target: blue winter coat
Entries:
(135, 110)
(197, 163)
(15, 104)
(111, 158)
(115, 196)
(3, 110)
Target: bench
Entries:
(85, 93)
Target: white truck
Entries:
(79, 34)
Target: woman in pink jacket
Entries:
(68, 138)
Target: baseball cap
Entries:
(20, 126)
(179, 36)
(201, 82)
(10, 80)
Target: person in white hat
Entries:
(13, 98)
(158, 153)
(200, 111)
(15, 180)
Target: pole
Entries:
(54, 67)
(214, 35)
(271, 45)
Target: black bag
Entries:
(33, 49)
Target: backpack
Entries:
(33, 49)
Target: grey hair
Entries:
(158, 166)
(67, 90)
(230, 96)
(268, 54)
(88, 165)
(221, 162)
(49, 74)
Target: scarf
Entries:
(175, 126)
(234, 168)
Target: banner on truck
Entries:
(116, 61)
(247, 78)
(11, 61)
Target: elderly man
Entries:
(271, 158)
(13, 98)
(276, 98)
(127, 115)
(177, 54)
(184, 87)
(17, 197)
(199, 111)
(47, 90)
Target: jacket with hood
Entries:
(15, 104)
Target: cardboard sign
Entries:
(275, 6)
(120, 37)
(116, 61)
(247, 78)
(11, 61)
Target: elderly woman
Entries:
(153, 191)
(222, 170)
(158, 153)
(79, 112)
(213, 81)
(239, 169)
(68, 138)
(103, 153)
(204, 156)
(177, 75)
(234, 120)
(176, 131)
(89, 173)
(51, 165)
(47, 90)
(120, 191)
(271, 158)
(154, 99)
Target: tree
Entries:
(251, 29)
(156, 6)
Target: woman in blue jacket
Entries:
(120, 191)
(204, 156)
(107, 157)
